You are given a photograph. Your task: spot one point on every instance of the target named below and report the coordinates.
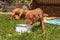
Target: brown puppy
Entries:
(19, 13)
(16, 13)
(33, 16)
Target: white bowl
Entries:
(23, 28)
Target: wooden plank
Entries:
(48, 1)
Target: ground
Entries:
(8, 27)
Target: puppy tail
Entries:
(45, 15)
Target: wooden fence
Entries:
(48, 1)
(51, 7)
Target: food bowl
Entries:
(23, 28)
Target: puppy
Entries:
(17, 13)
(33, 16)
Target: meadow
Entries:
(8, 31)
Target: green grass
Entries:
(8, 27)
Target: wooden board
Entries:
(48, 1)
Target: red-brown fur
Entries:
(33, 16)
(16, 13)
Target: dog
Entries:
(31, 16)
(35, 15)
(17, 13)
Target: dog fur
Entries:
(33, 16)
(19, 13)
(16, 13)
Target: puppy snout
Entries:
(16, 17)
